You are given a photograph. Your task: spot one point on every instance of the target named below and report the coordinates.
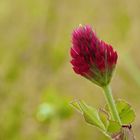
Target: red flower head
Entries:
(92, 57)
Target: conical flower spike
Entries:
(91, 57)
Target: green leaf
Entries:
(75, 104)
(104, 116)
(126, 113)
(113, 127)
(90, 114)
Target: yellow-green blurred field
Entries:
(36, 78)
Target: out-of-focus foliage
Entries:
(35, 72)
(53, 106)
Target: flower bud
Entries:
(91, 57)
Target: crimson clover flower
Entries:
(91, 57)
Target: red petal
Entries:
(73, 53)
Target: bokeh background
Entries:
(36, 80)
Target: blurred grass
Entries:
(34, 56)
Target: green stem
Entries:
(111, 104)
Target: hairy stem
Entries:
(111, 104)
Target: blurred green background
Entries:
(36, 80)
